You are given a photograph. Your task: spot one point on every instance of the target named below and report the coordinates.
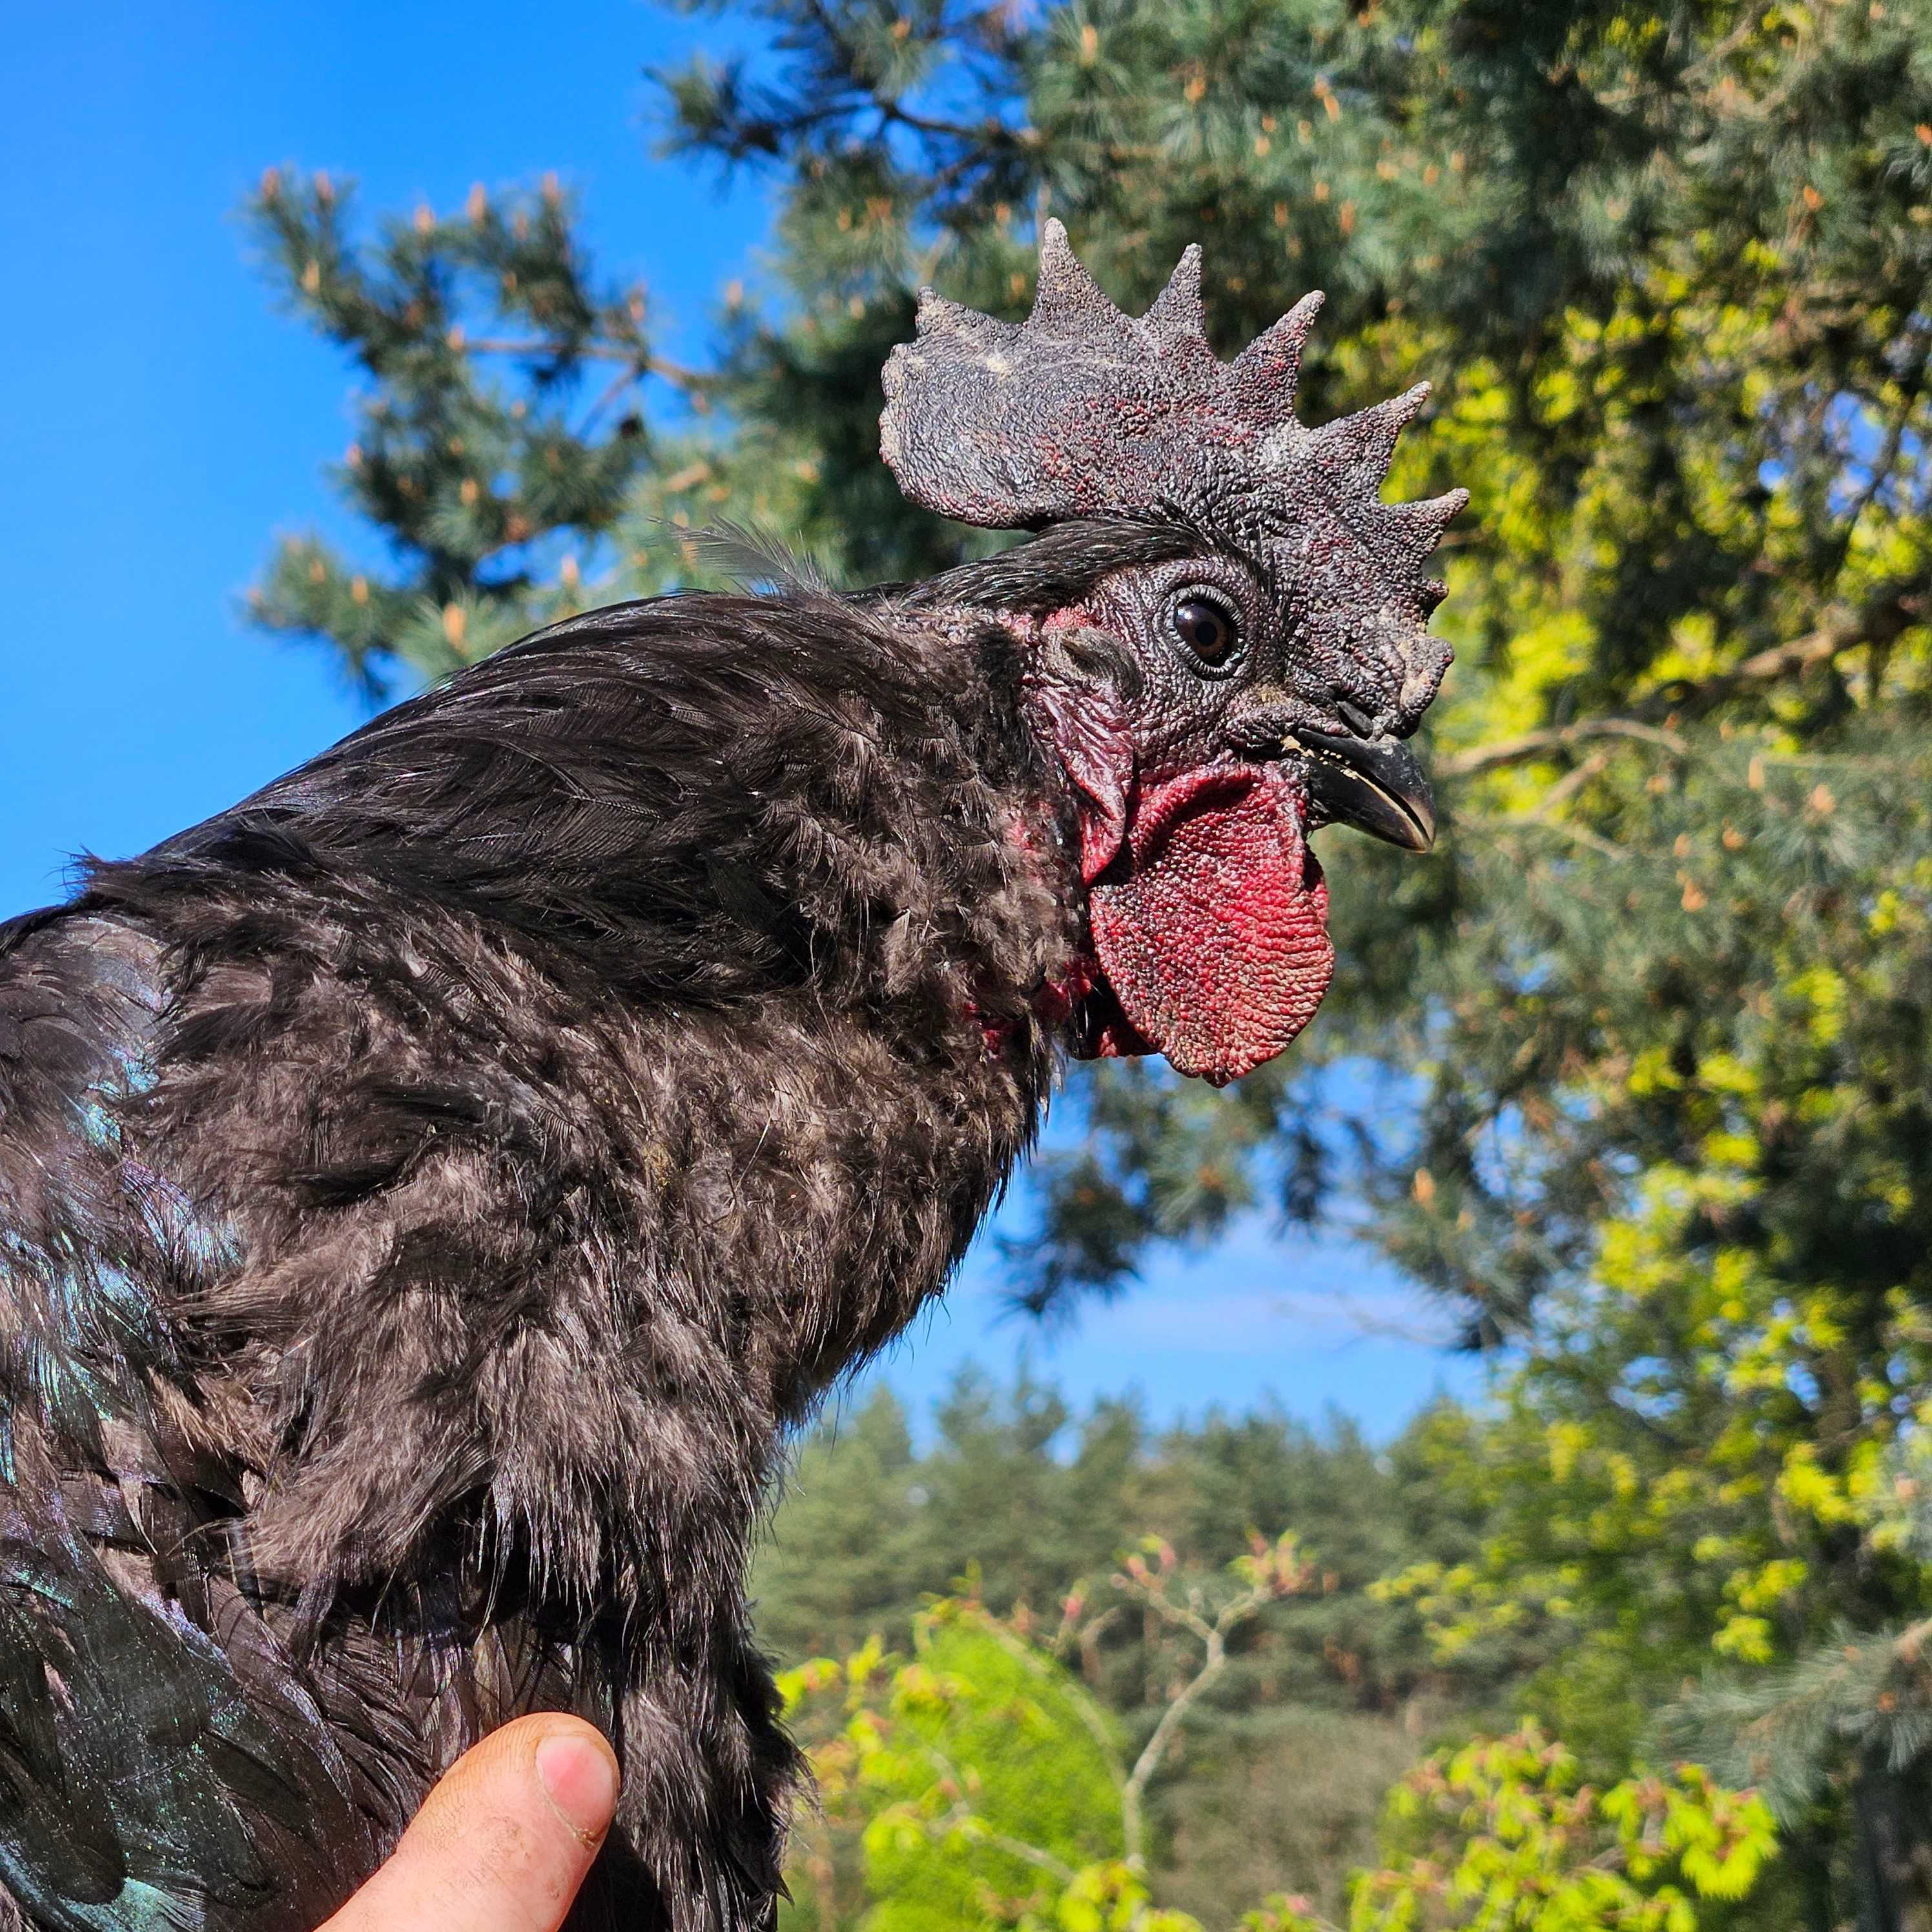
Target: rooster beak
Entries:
(1372, 783)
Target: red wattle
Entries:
(1215, 942)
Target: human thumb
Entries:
(503, 1841)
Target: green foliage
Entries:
(974, 1773)
(469, 476)
(1294, 1811)
(1867, 1699)
(521, 445)
(983, 1784)
(977, 1784)
(1506, 1835)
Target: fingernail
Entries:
(579, 1778)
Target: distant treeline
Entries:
(1330, 1695)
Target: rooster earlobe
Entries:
(1095, 749)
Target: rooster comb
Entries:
(1083, 411)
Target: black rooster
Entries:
(429, 1190)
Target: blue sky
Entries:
(162, 422)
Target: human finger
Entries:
(503, 1841)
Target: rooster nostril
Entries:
(1260, 733)
(1352, 715)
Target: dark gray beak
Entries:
(1372, 783)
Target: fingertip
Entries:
(578, 1772)
(505, 1838)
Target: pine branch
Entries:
(1881, 623)
(644, 364)
(1540, 744)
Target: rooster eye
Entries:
(1209, 636)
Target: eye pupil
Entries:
(1206, 629)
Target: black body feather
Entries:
(428, 1191)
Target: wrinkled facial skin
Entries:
(1210, 710)
(1292, 662)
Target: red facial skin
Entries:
(1212, 929)
(1209, 916)
(1208, 912)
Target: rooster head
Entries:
(1225, 625)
